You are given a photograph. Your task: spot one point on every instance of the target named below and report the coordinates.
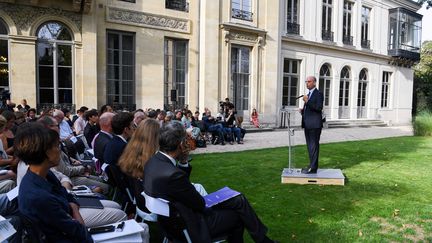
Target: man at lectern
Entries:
(312, 123)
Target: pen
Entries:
(120, 226)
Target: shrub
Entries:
(422, 124)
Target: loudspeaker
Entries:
(173, 95)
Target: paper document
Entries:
(74, 139)
(90, 151)
(220, 196)
(6, 229)
(131, 229)
(12, 194)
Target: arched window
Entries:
(54, 64)
(362, 92)
(344, 91)
(345, 79)
(4, 56)
(324, 82)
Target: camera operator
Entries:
(6, 103)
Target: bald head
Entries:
(138, 117)
(105, 121)
(310, 82)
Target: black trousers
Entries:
(231, 217)
(312, 141)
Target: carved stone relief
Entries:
(244, 37)
(24, 16)
(124, 16)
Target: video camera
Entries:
(5, 95)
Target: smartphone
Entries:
(102, 229)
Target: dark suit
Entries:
(99, 146)
(312, 124)
(162, 179)
(113, 150)
(112, 153)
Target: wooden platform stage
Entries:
(322, 177)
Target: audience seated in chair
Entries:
(163, 178)
(41, 197)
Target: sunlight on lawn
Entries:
(386, 197)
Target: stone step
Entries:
(355, 123)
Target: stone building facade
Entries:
(173, 53)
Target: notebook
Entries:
(88, 202)
(219, 196)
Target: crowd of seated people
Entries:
(114, 139)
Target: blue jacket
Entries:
(46, 204)
(312, 111)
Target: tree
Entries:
(423, 80)
(428, 3)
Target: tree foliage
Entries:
(428, 2)
(423, 79)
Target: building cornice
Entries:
(408, 4)
(334, 47)
(243, 28)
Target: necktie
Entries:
(309, 94)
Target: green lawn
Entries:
(387, 196)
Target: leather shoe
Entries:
(309, 170)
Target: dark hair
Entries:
(32, 141)
(103, 109)
(47, 121)
(90, 113)
(83, 109)
(30, 110)
(152, 114)
(65, 111)
(9, 115)
(170, 136)
(120, 121)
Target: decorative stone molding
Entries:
(24, 16)
(21, 39)
(124, 16)
(242, 36)
(248, 35)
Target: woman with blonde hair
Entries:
(143, 144)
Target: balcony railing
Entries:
(347, 40)
(49, 106)
(123, 107)
(241, 14)
(365, 44)
(293, 28)
(327, 35)
(177, 5)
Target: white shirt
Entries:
(79, 125)
(65, 130)
(173, 161)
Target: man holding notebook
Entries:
(164, 178)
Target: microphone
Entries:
(299, 97)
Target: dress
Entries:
(254, 120)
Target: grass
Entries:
(386, 197)
(422, 124)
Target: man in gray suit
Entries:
(312, 123)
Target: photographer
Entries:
(6, 104)
(231, 127)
